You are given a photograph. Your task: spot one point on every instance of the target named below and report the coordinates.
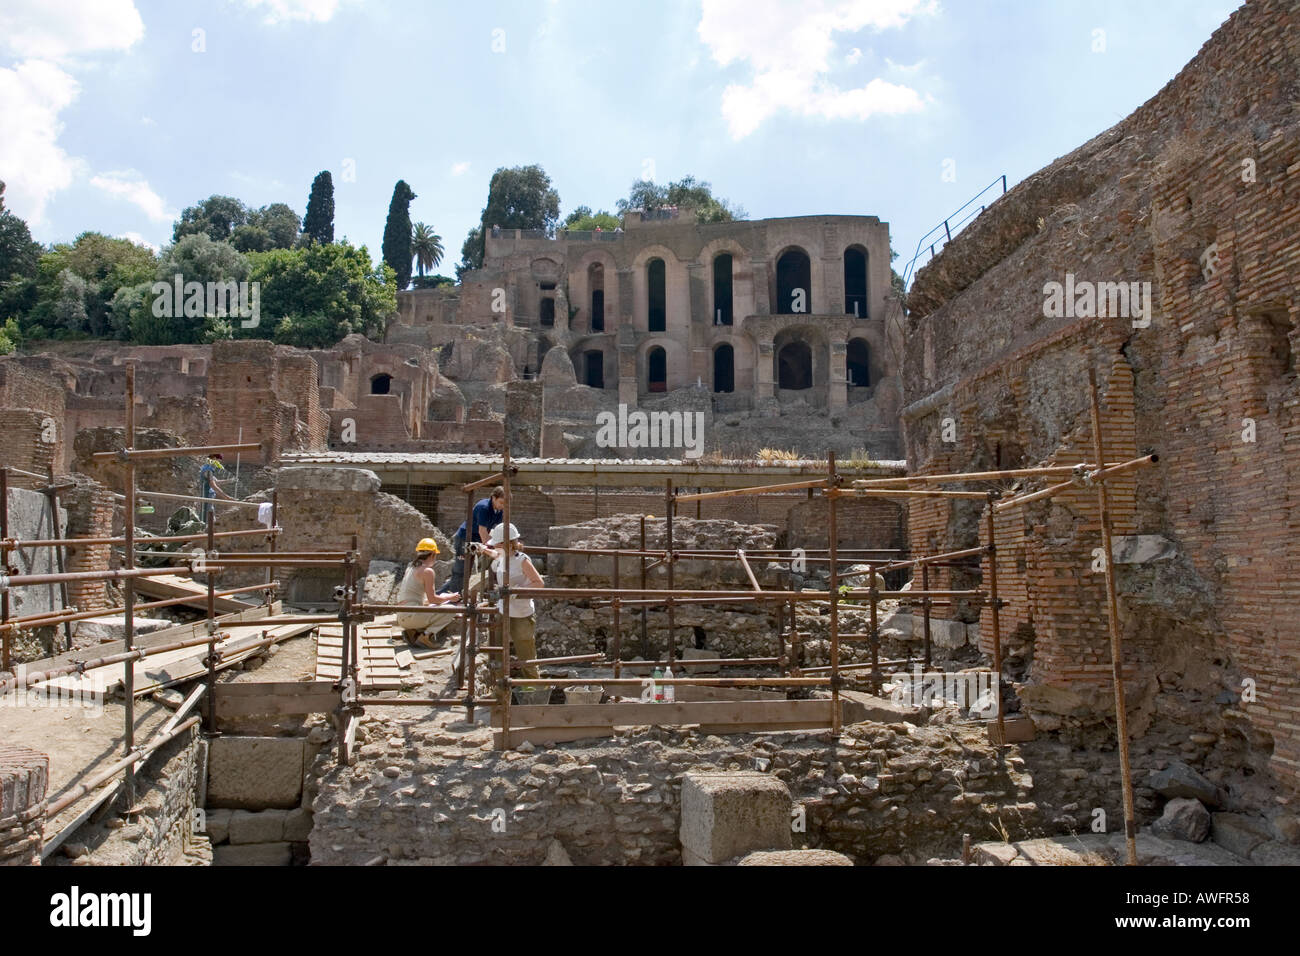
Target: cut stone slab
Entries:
(1240, 833)
(297, 825)
(860, 706)
(381, 581)
(1183, 819)
(265, 826)
(993, 854)
(693, 654)
(795, 858)
(1275, 854)
(255, 773)
(113, 628)
(556, 855)
(725, 815)
(253, 854)
(1060, 851)
(1180, 780)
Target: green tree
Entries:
(521, 197)
(687, 192)
(318, 224)
(102, 265)
(19, 258)
(583, 219)
(315, 295)
(195, 258)
(10, 336)
(217, 217)
(426, 246)
(397, 234)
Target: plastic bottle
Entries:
(670, 690)
(656, 679)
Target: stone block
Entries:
(1180, 780)
(218, 825)
(98, 630)
(255, 773)
(297, 825)
(696, 654)
(993, 854)
(1239, 833)
(1142, 548)
(1275, 854)
(253, 854)
(795, 858)
(1183, 819)
(725, 815)
(264, 826)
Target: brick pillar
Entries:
(90, 515)
(24, 776)
(837, 376)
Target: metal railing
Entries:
(949, 228)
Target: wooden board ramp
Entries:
(557, 723)
(168, 586)
(378, 645)
(240, 635)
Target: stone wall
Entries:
(1195, 193)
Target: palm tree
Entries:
(426, 246)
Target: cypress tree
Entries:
(318, 224)
(397, 234)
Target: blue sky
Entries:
(114, 119)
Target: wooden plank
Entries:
(174, 586)
(787, 727)
(302, 688)
(550, 735)
(692, 712)
(318, 703)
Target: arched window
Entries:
(594, 368)
(381, 384)
(724, 369)
(793, 283)
(722, 289)
(596, 281)
(548, 311)
(858, 363)
(855, 281)
(656, 283)
(657, 370)
(794, 366)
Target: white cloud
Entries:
(55, 29)
(131, 186)
(790, 48)
(32, 164)
(281, 11)
(459, 169)
(902, 68)
(854, 55)
(140, 240)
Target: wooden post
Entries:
(210, 701)
(670, 507)
(645, 632)
(506, 553)
(7, 639)
(925, 608)
(271, 544)
(618, 630)
(835, 594)
(995, 606)
(128, 588)
(1112, 618)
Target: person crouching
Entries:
(418, 587)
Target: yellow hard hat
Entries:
(427, 544)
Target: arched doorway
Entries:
(594, 368)
(381, 384)
(596, 282)
(722, 290)
(793, 282)
(548, 312)
(855, 281)
(858, 363)
(724, 368)
(657, 370)
(794, 366)
(657, 291)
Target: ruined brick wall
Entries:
(25, 388)
(30, 439)
(243, 397)
(90, 507)
(24, 776)
(1197, 193)
(298, 377)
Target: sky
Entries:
(116, 114)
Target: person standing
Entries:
(523, 624)
(417, 587)
(209, 487)
(486, 515)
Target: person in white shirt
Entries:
(523, 624)
(418, 587)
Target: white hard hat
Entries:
(498, 534)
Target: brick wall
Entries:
(24, 776)
(25, 443)
(90, 515)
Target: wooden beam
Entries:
(692, 712)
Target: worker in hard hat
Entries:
(418, 587)
(523, 625)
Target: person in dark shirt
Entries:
(209, 488)
(487, 514)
